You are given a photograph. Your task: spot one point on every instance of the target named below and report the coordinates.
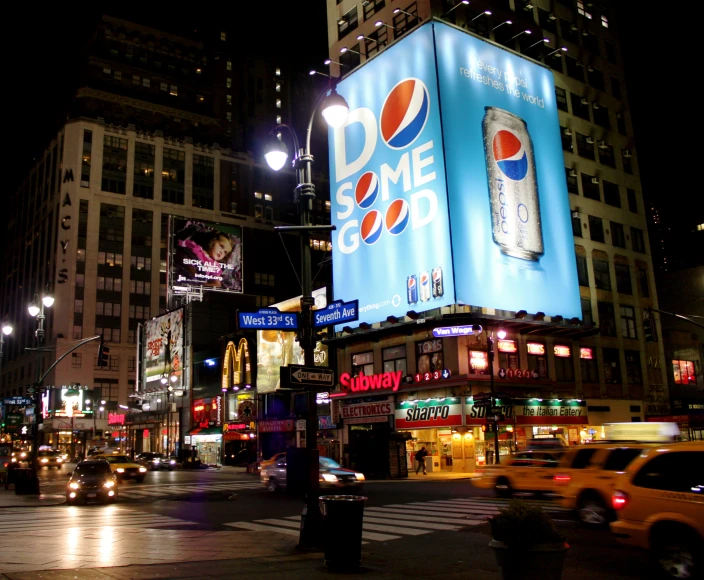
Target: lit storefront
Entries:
(206, 437)
(367, 427)
(547, 421)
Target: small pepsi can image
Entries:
(412, 289)
(437, 286)
(424, 286)
(513, 186)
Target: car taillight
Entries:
(619, 499)
(561, 479)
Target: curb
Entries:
(59, 500)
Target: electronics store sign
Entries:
(376, 412)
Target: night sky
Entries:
(43, 47)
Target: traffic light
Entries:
(484, 427)
(649, 328)
(103, 354)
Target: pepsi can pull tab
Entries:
(513, 186)
(424, 286)
(412, 289)
(438, 289)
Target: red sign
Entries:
(563, 351)
(389, 380)
(277, 425)
(535, 348)
(116, 419)
(236, 426)
(507, 346)
(145, 434)
(586, 353)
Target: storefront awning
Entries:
(206, 431)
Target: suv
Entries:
(586, 475)
(523, 471)
(659, 502)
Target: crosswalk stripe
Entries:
(403, 511)
(394, 529)
(284, 523)
(367, 535)
(429, 511)
(413, 524)
(262, 528)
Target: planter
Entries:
(541, 562)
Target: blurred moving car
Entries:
(155, 461)
(124, 468)
(659, 503)
(586, 476)
(20, 458)
(92, 480)
(525, 471)
(51, 458)
(332, 475)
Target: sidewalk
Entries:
(9, 499)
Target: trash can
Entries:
(342, 531)
(26, 482)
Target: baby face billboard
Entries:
(206, 254)
(512, 240)
(391, 248)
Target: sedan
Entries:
(331, 475)
(92, 480)
(50, 459)
(124, 468)
(154, 461)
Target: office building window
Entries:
(537, 359)
(610, 52)
(106, 389)
(78, 306)
(203, 181)
(606, 154)
(394, 359)
(566, 139)
(114, 164)
(588, 365)
(580, 106)
(637, 240)
(76, 360)
(607, 320)
(564, 365)
(585, 146)
(601, 116)
(618, 237)
(173, 176)
(143, 170)
(77, 332)
(596, 229)
(363, 363)
(582, 271)
(623, 278)
(576, 224)
(616, 87)
(596, 79)
(561, 98)
(575, 69)
(612, 196)
(643, 283)
(347, 23)
(86, 157)
(628, 322)
(684, 372)
(602, 274)
(612, 365)
(632, 200)
(634, 374)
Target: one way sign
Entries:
(297, 376)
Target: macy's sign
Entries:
(388, 380)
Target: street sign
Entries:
(496, 410)
(336, 313)
(482, 396)
(20, 401)
(268, 319)
(482, 404)
(297, 376)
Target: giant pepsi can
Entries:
(513, 188)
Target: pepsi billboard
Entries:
(448, 182)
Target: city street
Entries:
(219, 515)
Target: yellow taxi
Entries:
(585, 478)
(659, 503)
(525, 471)
(124, 468)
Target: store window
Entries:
(394, 359)
(478, 362)
(564, 367)
(588, 366)
(537, 360)
(684, 372)
(612, 366)
(363, 363)
(429, 356)
(508, 354)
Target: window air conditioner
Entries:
(590, 141)
(584, 101)
(551, 16)
(573, 27)
(601, 144)
(595, 105)
(528, 6)
(627, 153)
(572, 173)
(575, 214)
(567, 132)
(595, 180)
(590, 68)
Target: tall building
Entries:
(160, 126)
(603, 361)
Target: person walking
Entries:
(421, 454)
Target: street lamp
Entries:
(334, 109)
(36, 310)
(517, 35)
(465, 2)
(6, 331)
(486, 12)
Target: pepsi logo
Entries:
(372, 227)
(411, 282)
(404, 113)
(424, 279)
(397, 216)
(510, 155)
(436, 275)
(366, 190)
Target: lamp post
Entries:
(6, 331)
(490, 356)
(36, 310)
(334, 109)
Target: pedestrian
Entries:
(420, 459)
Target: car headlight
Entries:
(59, 460)
(23, 454)
(359, 476)
(45, 460)
(172, 462)
(109, 484)
(74, 485)
(156, 460)
(142, 469)
(120, 470)
(14, 460)
(329, 477)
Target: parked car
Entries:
(525, 471)
(92, 480)
(51, 458)
(332, 475)
(124, 468)
(659, 504)
(586, 476)
(155, 461)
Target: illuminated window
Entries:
(146, 82)
(582, 11)
(258, 195)
(478, 362)
(278, 103)
(394, 359)
(537, 361)
(229, 116)
(700, 227)
(684, 372)
(229, 65)
(223, 36)
(363, 362)
(164, 87)
(267, 197)
(604, 21)
(174, 91)
(277, 72)
(278, 87)
(135, 80)
(229, 99)
(228, 83)
(278, 119)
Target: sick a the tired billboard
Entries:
(448, 182)
(163, 351)
(206, 254)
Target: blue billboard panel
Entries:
(512, 240)
(391, 246)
